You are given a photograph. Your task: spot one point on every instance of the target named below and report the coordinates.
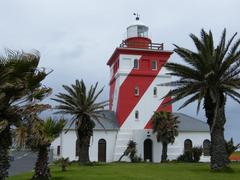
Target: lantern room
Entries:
(138, 29)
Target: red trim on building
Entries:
(136, 51)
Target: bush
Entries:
(191, 156)
(63, 163)
(185, 157)
(196, 153)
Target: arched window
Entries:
(102, 148)
(206, 147)
(135, 64)
(77, 148)
(136, 91)
(136, 114)
(187, 145)
(58, 150)
(155, 91)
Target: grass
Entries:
(141, 171)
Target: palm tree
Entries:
(20, 86)
(39, 138)
(210, 75)
(165, 126)
(82, 106)
(130, 151)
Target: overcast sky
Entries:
(76, 37)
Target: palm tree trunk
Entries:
(121, 157)
(42, 170)
(5, 143)
(83, 157)
(219, 157)
(164, 152)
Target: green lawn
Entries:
(141, 171)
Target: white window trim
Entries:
(136, 89)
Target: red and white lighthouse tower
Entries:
(136, 68)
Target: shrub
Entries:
(63, 163)
(186, 157)
(196, 153)
(191, 156)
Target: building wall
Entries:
(139, 136)
(197, 138)
(68, 144)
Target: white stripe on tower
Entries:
(121, 75)
(148, 103)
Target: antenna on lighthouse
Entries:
(137, 16)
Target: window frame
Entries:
(186, 145)
(155, 67)
(155, 91)
(206, 147)
(136, 91)
(136, 115)
(137, 61)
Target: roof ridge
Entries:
(191, 117)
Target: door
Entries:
(148, 150)
(102, 150)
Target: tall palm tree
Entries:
(20, 86)
(211, 74)
(39, 138)
(82, 106)
(165, 125)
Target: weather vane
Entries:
(137, 16)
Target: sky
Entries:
(77, 37)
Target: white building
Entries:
(136, 70)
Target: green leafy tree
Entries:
(20, 87)
(39, 138)
(165, 125)
(82, 106)
(210, 75)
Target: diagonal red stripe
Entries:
(160, 108)
(141, 78)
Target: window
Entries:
(206, 147)
(77, 148)
(135, 64)
(136, 91)
(187, 145)
(58, 150)
(155, 91)
(136, 114)
(154, 65)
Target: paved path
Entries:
(23, 161)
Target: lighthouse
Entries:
(136, 70)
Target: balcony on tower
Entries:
(137, 37)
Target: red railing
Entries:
(153, 46)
